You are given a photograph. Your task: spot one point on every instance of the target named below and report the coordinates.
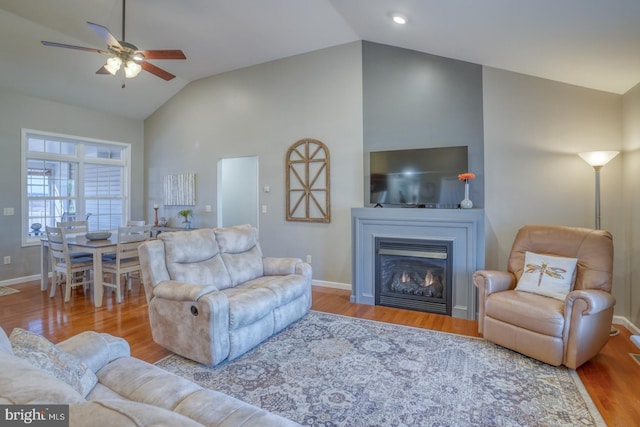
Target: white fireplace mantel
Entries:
(463, 227)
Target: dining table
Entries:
(80, 243)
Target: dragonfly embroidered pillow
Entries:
(547, 275)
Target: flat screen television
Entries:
(422, 177)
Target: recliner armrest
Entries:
(95, 349)
(180, 291)
(595, 300)
(491, 281)
(279, 266)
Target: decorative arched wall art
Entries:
(308, 184)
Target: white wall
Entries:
(19, 111)
(631, 121)
(263, 110)
(533, 130)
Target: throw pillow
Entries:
(547, 275)
(43, 354)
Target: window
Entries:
(67, 178)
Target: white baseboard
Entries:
(334, 285)
(620, 320)
(20, 280)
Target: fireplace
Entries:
(464, 228)
(415, 274)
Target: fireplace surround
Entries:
(463, 229)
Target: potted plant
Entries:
(186, 213)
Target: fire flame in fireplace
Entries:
(404, 278)
(428, 278)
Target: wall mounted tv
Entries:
(422, 177)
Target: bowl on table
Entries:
(98, 235)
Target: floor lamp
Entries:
(598, 159)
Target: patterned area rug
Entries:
(329, 370)
(5, 290)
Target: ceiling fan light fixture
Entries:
(113, 65)
(132, 69)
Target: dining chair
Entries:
(135, 223)
(125, 261)
(62, 263)
(74, 229)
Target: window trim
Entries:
(80, 157)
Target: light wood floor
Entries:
(612, 378)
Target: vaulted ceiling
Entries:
(590, 43)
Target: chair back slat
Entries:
(74, 228)
(129, 238)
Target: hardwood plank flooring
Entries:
(612, 378)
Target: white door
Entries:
(238, 191)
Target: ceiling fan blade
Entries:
(70, 46)
(102, 70)
(157, 71)
(163, 54)
(105, 34)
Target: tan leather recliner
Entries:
(556, 332)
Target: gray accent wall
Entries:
(416, 100)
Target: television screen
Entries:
(418, 177)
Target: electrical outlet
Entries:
(309, 259)
(8, 211)
(7, 260)
(264, 208)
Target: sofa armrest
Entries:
(180, 291)
(95, 349)
(278, 266)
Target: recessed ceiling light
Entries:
(399, 19)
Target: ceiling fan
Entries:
(122, 53)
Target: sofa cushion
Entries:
(123, 413)
(528, 311)
(248, 305)
(285, 288)
(21, 383)
(43, 354)
(194, 257)
(149, 384)
(95, 349)
(240, 252)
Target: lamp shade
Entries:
(598, 158)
